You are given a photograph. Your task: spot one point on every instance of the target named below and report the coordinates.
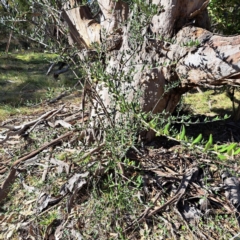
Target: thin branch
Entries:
(44, 146)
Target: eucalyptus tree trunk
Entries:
(159, 53)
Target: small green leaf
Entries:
(210, 140)
(207, 146)
(152, 123)
(230, 150)
(237, 151)
(198, 139)
(159, 133)
(222, 157)
(209, 143)
(226, 116)
(166, 128)
(223, 148)
(145, 116)
(183, 133)
(178, 137)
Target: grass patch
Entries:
(210, 103)
(8, 110)
(23, 81)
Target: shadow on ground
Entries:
(23, 79)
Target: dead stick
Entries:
(91, 152)
(46, 145)
(161, 208)
(146, 212)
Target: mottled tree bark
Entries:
(182, 50)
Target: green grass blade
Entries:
(209, 143)
(197, 140)
(166, 129)
(183, 133)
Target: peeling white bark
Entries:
(216, 61)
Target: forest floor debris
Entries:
(54, 186)
(166, 192)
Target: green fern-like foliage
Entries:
(166, 129)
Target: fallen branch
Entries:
(91, 152)
(53, 100)
(63, 70)
(46, 145)
(44, 175)
(18, 130)
(49, 117)
(50, 68)
(46, 210)
(189, 229)
(175, 199)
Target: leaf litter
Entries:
(51, 186)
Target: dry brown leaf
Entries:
(61, 165)
(27, 212)
(232, 190)
(44, 200)
(75, 182)
(59, 231)
(13, 142)
(29, 188)
(191, 213)
(76, 235)
(29, 202)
